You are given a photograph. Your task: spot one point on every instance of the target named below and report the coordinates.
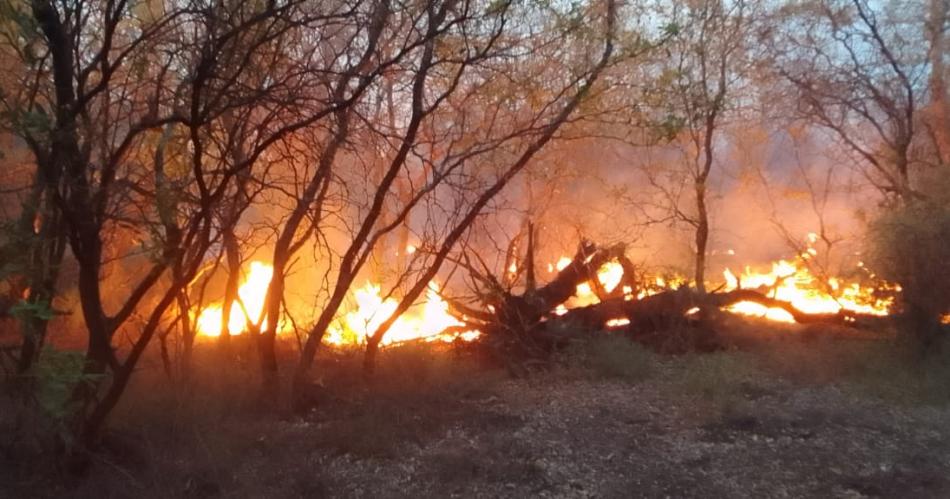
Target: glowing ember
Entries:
(623, 321)
(426, 321)
(252, 293)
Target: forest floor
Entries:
(787, 418)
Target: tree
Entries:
(699, 81)
(855, 71)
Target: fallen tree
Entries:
(531, 325)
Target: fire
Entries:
(370, 310)
(793, 282)
(252, 295)
(426, 321)
(610, 275)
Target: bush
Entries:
(910, 247)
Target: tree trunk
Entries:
(702, 237)
(233, 256)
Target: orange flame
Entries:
(252, 293)
(427, 321)
(793, 282)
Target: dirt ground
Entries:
(728, 424)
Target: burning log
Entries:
(535, 323)
(517, 325)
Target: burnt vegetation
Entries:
(271, 248)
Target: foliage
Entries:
(910, 247)
(57, 373)
(32, 310)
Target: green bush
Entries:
(910, 247)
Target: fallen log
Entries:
(656, 311)
(675, 320)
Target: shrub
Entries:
(910, 247)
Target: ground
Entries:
(607, 421)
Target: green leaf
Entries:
(57, 372)
(30, 310)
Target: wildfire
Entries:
(370, 310)
(426, 321)
(793, 282)
(252, 295)
(789, 281)
(609, 275)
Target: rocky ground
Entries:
(719, 425)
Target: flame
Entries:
(793, 282)
(610, 275)
(426, 321)
(253, 293)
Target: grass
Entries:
(722, 379)
(887, 370)
(615, 357)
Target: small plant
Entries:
(56, 374)
(617, 357)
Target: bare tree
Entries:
(858, 74)
(699, 84)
